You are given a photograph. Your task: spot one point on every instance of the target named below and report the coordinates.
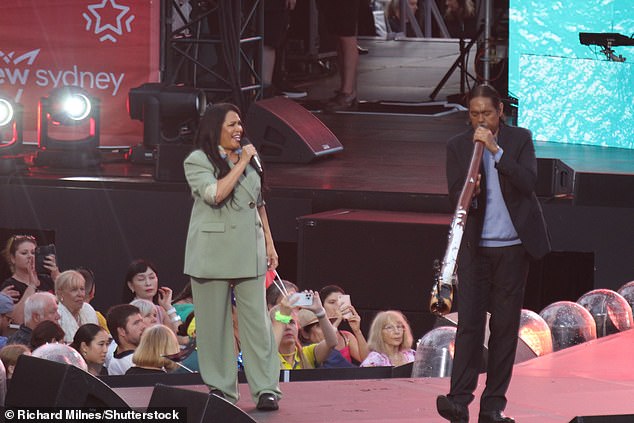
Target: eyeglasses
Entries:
(392, 328)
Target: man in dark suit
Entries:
(505, 227)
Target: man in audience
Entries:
(126, 326)
(38, 307)
(6, 308)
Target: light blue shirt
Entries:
(498, 229)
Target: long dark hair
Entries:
(489, 92)
(208, 137)
(136, 267)
(86, 333)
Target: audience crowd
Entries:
(152, 332)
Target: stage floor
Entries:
(588, 379)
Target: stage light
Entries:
(570, 324)
(535, 333)
(10, 135)
(435, 352)
(627, 291)
(169, 114)
(611, 312)
(6, 112)
(68, 129)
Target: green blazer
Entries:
(224, 241)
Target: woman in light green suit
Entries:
(229, 247)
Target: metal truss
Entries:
(214, 45)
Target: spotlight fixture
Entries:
(10, 135)
(68, 129)
(169, 114)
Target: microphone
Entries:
(255, 160)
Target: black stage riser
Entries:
(384, 260)
(604, 190)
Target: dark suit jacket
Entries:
(517, 172)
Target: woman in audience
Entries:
(91, 341)
(184, 302)
(352, 345)
(274, 295)
(393, 15)
(148, 311)
(9, 355)
(157, 342)
(142, 282)
(19, 254)
(91, 289)
(310, 332)
(74, 312)
(390, 340)
(46, 332)
(292, 354)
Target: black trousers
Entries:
(494, 281)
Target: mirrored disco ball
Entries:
(535, 333)
(611, 312)
(434, 353)
(570, 324)
(627, 291)
(60, 353)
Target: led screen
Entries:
(569, 92)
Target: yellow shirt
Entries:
(309, 355)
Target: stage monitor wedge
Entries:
(284, 131)
(41, 383)
(621, 418)
(201, 407)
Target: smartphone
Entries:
(302, 299)
(41, 253)
(344, 301)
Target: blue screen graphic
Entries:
(569, 92)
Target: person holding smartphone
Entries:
(19, 254)
(352, 345)
(286, 318)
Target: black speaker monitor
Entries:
(554, 177)
(202, 407)
(37, 382)
(283, 131)
(169, 162)
(620, 418)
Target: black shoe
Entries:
(267, 402)
(494, 417)
(362, 50)
(451, 411)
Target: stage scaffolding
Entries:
(214, 45)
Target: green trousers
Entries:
(215, 340)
